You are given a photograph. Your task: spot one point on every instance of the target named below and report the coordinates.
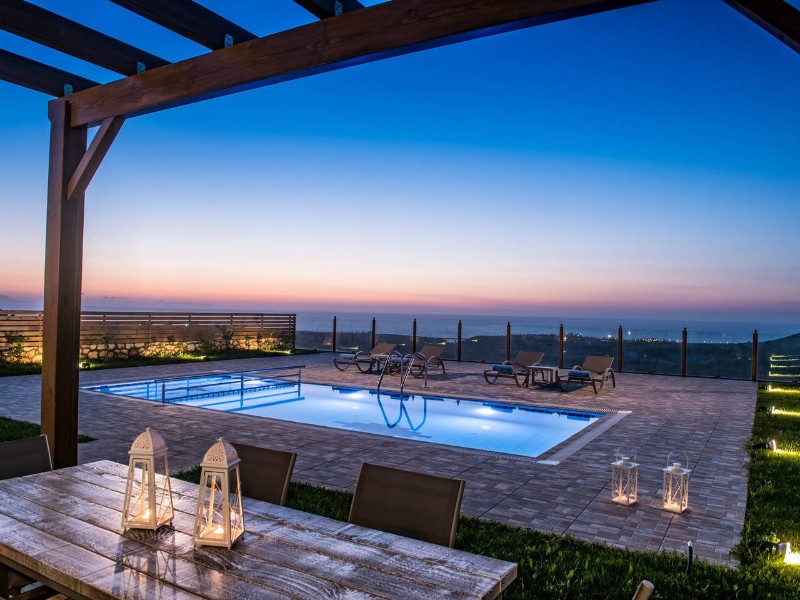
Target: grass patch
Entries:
(11, 429)
(773, 511)
(8, 369)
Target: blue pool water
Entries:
(496, 427)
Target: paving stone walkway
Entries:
(565, 491)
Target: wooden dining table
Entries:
(63, 528)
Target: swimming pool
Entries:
(488, 426)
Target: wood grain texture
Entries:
(779, 18)
(189, 19)
(94, 155)
(62, 289)
(97, 328)
(65, 524)
(38, 76)
(324, 9)
(50, 29)
(381, 31)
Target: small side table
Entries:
(548, 376)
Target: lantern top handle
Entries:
(677, 465)
(618, 455)
(221, 454)
(149, 442)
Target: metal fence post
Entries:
(561, 346)
(754, 374)
(619, 349)
(294, 334)
(683, 353)
(333, 338)
(373, 332)
(508, 340)
(458, 343)
(414, 337)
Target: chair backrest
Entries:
(419, 506)
(383, 348)
(430, 352)
(597, 364)
(265, 473)
(24, 457)
(526, 358)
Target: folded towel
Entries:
(503, 369)
(346, 356)
(578, 373)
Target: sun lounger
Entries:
(427, 359)
(365, 361)
(514, 369)
(594, 370)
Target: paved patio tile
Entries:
(710, 420)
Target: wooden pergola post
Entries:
(62, 289)
(72, 167)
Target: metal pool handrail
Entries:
(232, 375)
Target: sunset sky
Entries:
(639, 162)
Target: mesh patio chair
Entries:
(594, 370)
(265, 473)
(516, 369)
(419, 506)
(19, 458)
(365, 361)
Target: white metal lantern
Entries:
(219, 520)
(676, 484)
(148, 493)
(624, 480)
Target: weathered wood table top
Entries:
(65, 526)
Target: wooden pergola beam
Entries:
(40, 77)
(779, 18)
(49, 29)
(189, 19)
(323, 9)
(382, 31)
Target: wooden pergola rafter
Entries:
(347, 34)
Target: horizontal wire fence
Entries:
(775, 360)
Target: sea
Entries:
(446, 326)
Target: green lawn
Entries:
(11, 429)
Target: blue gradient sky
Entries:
(642, 162)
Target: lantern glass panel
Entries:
(676, 488)
(624, 481)
(219, 518)
(148, 493)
